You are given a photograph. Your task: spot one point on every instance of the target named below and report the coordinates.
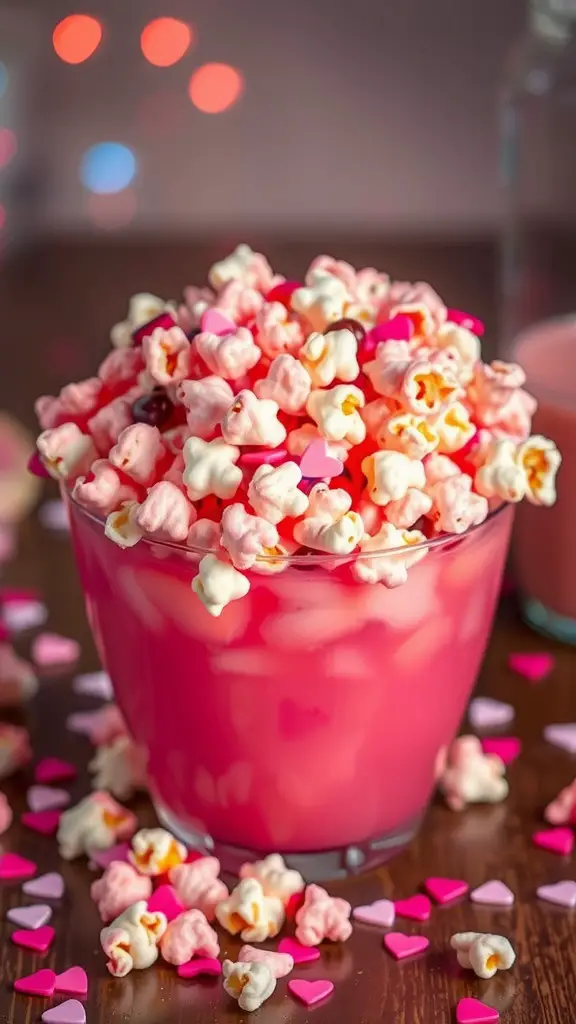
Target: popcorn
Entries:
(142, 308)
(406, 432)
(471, 776)
(154, 851)
(245, 536)
(198, 886)
(229, 355)
(167, 355)
(205, 402)
(15, 749)
(322, 917)
(247, 910)
(279, 964)
(301, 438)
(496, 382)
(427, 389)
(81, 399)
(464, 343)
(512, 472)
(252, 420)
(540, 461)
(274, 494)
(408, 510)
(138, 453)
(103, 490)
(391, 570)
(249, 268)
(196, 302)
(251, 984)
(513, 420)
(390, 474)
(187, 936)
(454, 428)
(210, 468)
(322, 301)
(439, 467)
(238, 302)
(107, 725)
(276, 332)
(484, 954)
(96, 823)
(120, 369)
(18, 679)
(109, 422)
(328, 525)
(277, 559)
(456, 507)
(119, 768)
(562, 810)
(204, 535)
(386, 372)
(166, 513)
(287, 383)
(275, 878)
(122, 525)
(218, 583)
(335, 411)
(118, 889)
(330, 356)
(327, 265)
(131, 940)
(66, 452)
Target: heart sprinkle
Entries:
(45, 887)
(416, 908)
(507, 748)
(50, 650)
(39, 941)
(556, 840)
(486, 713)
(41, 983)
(70, 1012)
(13, 866)
(45, 798)
(52, 769)
(44, 822)
(201, 965)
(30, 917)
(444, 890)
(165, 899)
(317, 464)
(300, 954)
(562, 893)
(472, 1011)
(402, 946)
(73, 982)
(381, 913)
(94, 684)
(494, 892)
(534, 667)
(310, 992)
(562, 734)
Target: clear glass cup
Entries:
(539, 297)
(311, 716)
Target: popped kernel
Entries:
(274, 494)
(210, 468)
(66, 452)
(455, 506)
(406, 432)
(287, 383)
(154, 851)
(142, 308)
(330, 356)
(336, 413)
(471, 776)
(96, 823)
(229, 355)
(131, 940)
(187, 936)
(277, 331)
(122, 525)
(328, 525)
(103, 490)
(245, 537)
(406, 511)
(280, 964)
(428, 389)
(205, 402)
(322, 917)
(389, 475)
(119, 888)
(249, 912)
(167, 355)
(138, 453)
(252, 420)
(454, 428)
(198, 885)
(244, 265)
(275, 878)
(119, 767)
(322, 301)
(251, 984)
(166, 513)
(218, 583)
(391, 570)
(483, 953)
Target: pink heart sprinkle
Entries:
(299, 953)
(70, 1012)
(471, 323)
(39, 941)
(23, 615)
(13, 866)
(417, 908)
(533, 667)
(562, 893)
(317, 464)
(45, 887)
(82, 721)
(505, 747)
(53, 515)
(401, 945)
(51, 649)
(41, 983)
(444, 890)
(165, 899)
(472, 1011)
(45, 798)
(30, 917)
(263, 457)
(556, 840)
(102, 858)
(52, 769)
(215, 322)
(399, 328)
(486, 713)
(44, 822)
(310, 992)
(94, 684)
(73, 982)
(381, 913)
(202, 965)
(494, 892)
(563, 735)
(9, 595)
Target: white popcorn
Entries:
(408, 510)
(338, 537)
(122, 525)
(330, 356)
(391, 570)
(204, 535)
(501, 476)
(142, 308)
(276, 879)
(276, 561)
(247, 910)
(155, 851)
(540, 461)
(390, 474)
(335, 411)
(210, 468)
(117, 768)
(254, 421)
(245, 537)
(96, 823)
(322, 301)
(131, 940)
(218, 583)
(66, 452)
(453, 428)
(250, 983)
(483, 953)
(413, 435)
(229, 355)
(274, 494)
(205, 402)
(244, 265)
(464, 343)
(428, 388)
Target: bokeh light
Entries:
(107, 167)
(8, 146)
(76, 38)
(164, 41)
(111, 212)
(213, 88)
(3, 79)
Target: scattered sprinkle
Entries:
(487, 713)
(41, 983)
(562, 734)
(73, 982)
(556, 840)
(39, 941)
(46, 798)
(562, 893)
(380, 913)
(30, 917)
(494, 892)
(416, 908)
(52, 769)
(445, 890)
(200, 965)
(507, 748)
(54, 516)
(165, 899)
(299, 953)
(402, 946)
(310, 992)
(70, 1012)
(18, 616)
(45, 887)
(50, 649)
(13, 866)
(44, 822)
(533, 667)
(472, 1011)
(94, 684)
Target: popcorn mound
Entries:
(264, 419)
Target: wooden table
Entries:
(479, 844)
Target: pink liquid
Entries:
(544, 541)
(311, 714)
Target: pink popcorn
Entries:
(166, 513)
(188, 935)
(370, 288)
(274, 494)
(66, 452)
(439, 467)
(513, 419)
(376, 415)
(142, 308)
(330, 356)
(279, 964)
(562, 810)
(322, 301)
(287, 383)
(456, 507)
(251, 269)
(167, 355)
(131, 941)
(175, 438)
(49, 412)
(345, 272)
(210, 468)
(18, 680)
(198, 885)
(120, 368)
(119, 887)
(391, 570)
(245, 536)
(196, 302)
(496, 382)
(81, 399)
(104, 490)
(427, 389)
(254, 421)
(389, 474)
(336, 411)
(386, 372)
(274, 876)
(421, 302)
(322, 917)
(109, 422)
(218, 583)
(472, 776)
(206, 401)
(15, 749)
(372, 515)
(278, 331)
(228, 355)
(239, 302)
(204, 535)
(120, 768)
(464, 345)
(139, 453)
(107, 726)
(406, 511)
(409, 433)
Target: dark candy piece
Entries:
(154, 409)
(348, 324)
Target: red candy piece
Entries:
(41, 983)
(165, 900)
(44, 822)
(38, 940)
(471, 323)
(262, 457)
(283, 292)
(36, 467)
(416, 908)
(164, 320)
(13, 866)
(52, 769)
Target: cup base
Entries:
(549, 623)
(314, 866)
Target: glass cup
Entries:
(310, 718)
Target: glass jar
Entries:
(538, 137)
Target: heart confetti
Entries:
(82, 722)
(299, 953)
(381, 913)
(165, 899)
(402, 946)
(487, 713)
(39, 941)
(201, 965)
(13, 866)
(534, 667)
(556, 840)
(94, 684)
(52, 769)
(53, 515)
(73, 982)
(507, 748)
(45, 887)
(44, 822)
(562, 893)
(41, 983)
(102, 858)
(472, 1011)
(70, 1012)
(416, 908)
(30, 917)
(45, 798)
(51, 650)
(310, 992)
(562, 734)
(493, 892)
(445, 890)
(216, 323)
(22, 615)
(317, 464)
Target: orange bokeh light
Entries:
(215, 87)
(164, 41)
(76, 38)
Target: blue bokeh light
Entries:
(3, 79)
(108, 167)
